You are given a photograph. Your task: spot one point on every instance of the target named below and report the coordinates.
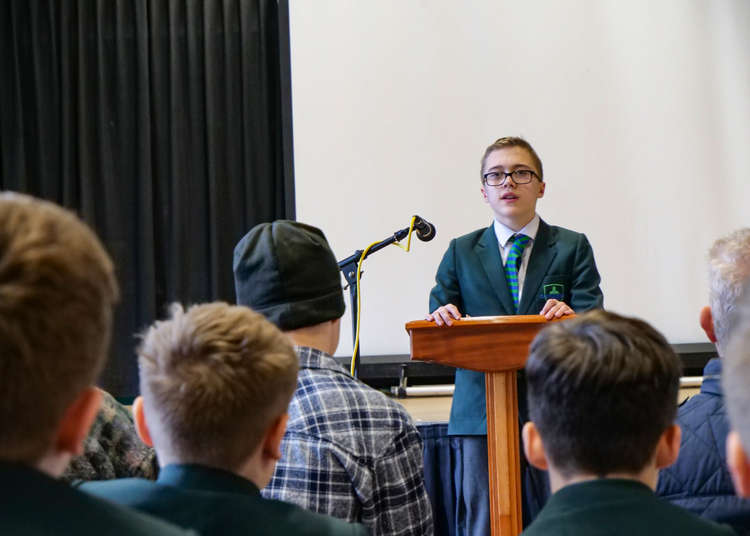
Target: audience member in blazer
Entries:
(699, 480)
(216, 381)
(556, 275)
(602, 397)
(57, 295)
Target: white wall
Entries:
(640, 111)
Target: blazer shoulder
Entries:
(469, 240)
(564, 235)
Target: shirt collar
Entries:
(712, 377)
(504, 233)
(202, 477)
(312, 358)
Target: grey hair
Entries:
(736, 373)
(728, 271)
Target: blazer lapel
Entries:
(542, 255)
(488, 252)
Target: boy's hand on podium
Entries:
(555, 309)
(444, 315)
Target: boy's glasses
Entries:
(498, 178)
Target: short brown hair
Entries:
(512, 141)
(57, 294)
(213, 378)
(602, 388)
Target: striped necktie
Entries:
(513, 262)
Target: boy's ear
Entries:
(668, 447)
(739, 465)
(272, 441)
(533, 447)
(141, 427)
(77, 420)
(707, 323)
(542, 187)
(484, 194)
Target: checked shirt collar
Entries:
(312, 358)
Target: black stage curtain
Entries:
(164, 123)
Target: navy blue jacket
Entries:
(699, 480)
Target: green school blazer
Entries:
(471, 276)
(617, 507)
(216, 502)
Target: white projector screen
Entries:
(640, 112)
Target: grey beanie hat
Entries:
(286, 271)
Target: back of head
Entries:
(735, 376)
(286, 271)
(57, 294)
(213, 378)
(728, 272)
(507, 142)
(602, 388)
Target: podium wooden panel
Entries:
(498, 346)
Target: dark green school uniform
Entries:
(33, 503)
(217, 502)
(617, 507)
(471, 276)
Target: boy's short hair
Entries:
(213, 379)
(57, 294)
(602, 388)
(511, 141)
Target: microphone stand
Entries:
(348, 267)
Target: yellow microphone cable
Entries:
(359, 291)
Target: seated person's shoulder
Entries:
(686, 523)
(112, 448)
(71, 511)
(121, 520)
(126, 491)
(368, 402)
(351, 416)
(291, 519)
(358, 397)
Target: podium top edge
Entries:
(474, 321)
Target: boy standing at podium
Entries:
(517, 265)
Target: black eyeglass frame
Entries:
(511, 174)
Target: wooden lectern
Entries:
(498, 346)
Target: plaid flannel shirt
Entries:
(351, 452)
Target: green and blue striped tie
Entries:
(513, 262)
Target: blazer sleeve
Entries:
(585, 293)
(446, 289)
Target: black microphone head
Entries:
(427, 234)
(425, 230)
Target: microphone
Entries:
(425, 230)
